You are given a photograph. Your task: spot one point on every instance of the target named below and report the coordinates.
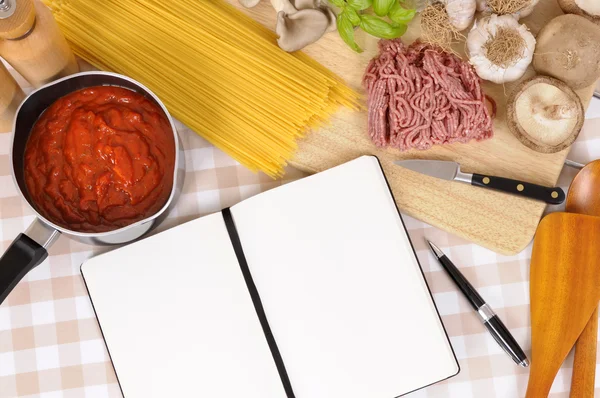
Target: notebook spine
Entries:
(260, 311)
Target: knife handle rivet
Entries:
(554, 194)
(520, 187)
(486, 180)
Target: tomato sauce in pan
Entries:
(99, 159)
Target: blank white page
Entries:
(341, 286)
(178, 319)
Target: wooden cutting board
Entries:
(500, 222)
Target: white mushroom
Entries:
(299, 22)
(298, 30)
(545, 114)
(332, 18)
(284, 5)
(306, 4)
(293, 6)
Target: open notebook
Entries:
(347, 312)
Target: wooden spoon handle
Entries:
(584, 364)
(540, 381)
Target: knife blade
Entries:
(450, 171)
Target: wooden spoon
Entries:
(564, 289)
(584, 198)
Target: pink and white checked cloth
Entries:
(50, 343)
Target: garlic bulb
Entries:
(482, 6)
(504, 7)
(527, 10)
(500, 48)
(460, 12)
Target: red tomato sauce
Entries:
(99, 159)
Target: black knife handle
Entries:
(553, 196)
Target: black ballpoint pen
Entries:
(485, 312)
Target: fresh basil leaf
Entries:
(338, 3)
(380, 28)
(382, 7)
(346, 31)
(353, 16)
(400, 14)
(360, 5)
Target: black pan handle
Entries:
(21, 257)
(26, 252)
(553, 196)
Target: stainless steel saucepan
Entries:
(29, 249)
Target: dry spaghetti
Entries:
(217, 70)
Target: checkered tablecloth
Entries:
(50, 342)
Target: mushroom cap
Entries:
(545, 114)
(332, 18)
(293, 6)
(298, 30)
(568, 48)
(577, 7)
(306, 4)
(284, 5)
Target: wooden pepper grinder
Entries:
(32, 42)
(11, 96)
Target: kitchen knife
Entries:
(451, 171)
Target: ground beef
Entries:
(420, 96)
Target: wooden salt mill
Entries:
(11, 96)
(32, 42)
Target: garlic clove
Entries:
(460, 12)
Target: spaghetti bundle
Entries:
(217, 70)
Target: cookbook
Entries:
(310, 290)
